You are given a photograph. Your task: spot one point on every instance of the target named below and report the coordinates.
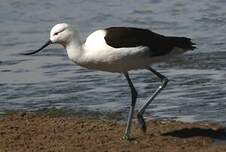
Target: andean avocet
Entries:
(119, 50)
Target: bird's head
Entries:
(61, 33)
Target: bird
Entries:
(119, 50)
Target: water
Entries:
(197, 87)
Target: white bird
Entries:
(119, 50)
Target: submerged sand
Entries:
(26, 132)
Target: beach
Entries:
(30, 131)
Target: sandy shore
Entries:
(26, 132)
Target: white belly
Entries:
(118, 60)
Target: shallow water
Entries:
(197, 87)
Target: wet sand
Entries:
(26, 132)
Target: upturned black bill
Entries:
(41, 48)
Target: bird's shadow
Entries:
(218, 134)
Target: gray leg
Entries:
(164, 81)
(132, 106)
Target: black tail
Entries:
(182, 42)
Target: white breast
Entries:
(98, 51)
(95, 41)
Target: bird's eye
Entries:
(56, 33)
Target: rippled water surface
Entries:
(197, 86)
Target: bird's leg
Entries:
(132, 106)
(140, 117)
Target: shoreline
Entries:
(33, 131)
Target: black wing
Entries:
(118, 37)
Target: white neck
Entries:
(74, 49)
